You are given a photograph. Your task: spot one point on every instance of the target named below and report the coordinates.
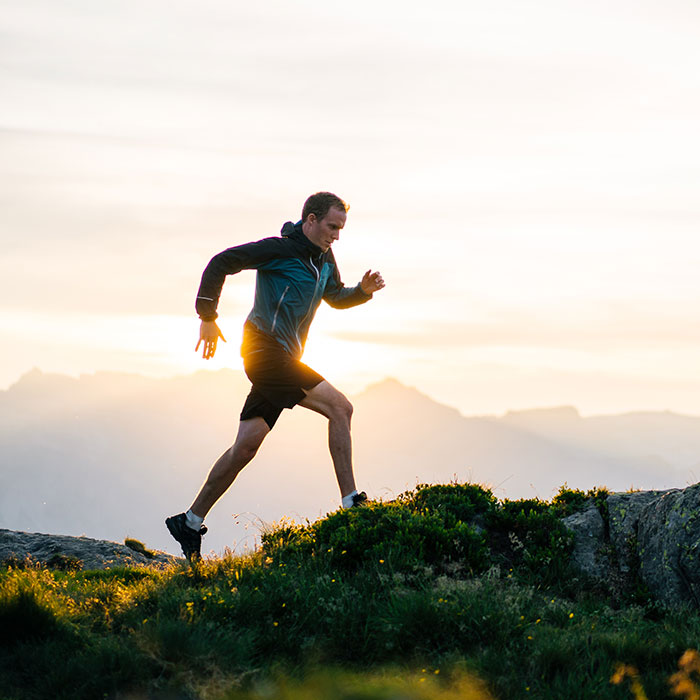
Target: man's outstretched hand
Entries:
(371, 282)
(209, 333)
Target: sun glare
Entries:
(348, 365)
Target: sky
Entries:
(526, 177)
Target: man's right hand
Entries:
(209, 333)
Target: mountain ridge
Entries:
(36, 374)
(113, 454)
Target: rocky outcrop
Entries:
(647, 537)
(65, 552)
(668, 542)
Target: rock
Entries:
(648, 537)
(589, 539)
(668, 545)
(63, 551)
(624, 511)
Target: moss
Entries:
(139, 547)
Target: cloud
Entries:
(624, 328)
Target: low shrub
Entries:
(453, 502)
(528, 537)
(460, 527)
(568, 501)
(382, 532)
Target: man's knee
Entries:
(342, 408)
(328, 401)
(244, 451)
(348, 409)
(250, 436)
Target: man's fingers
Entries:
(374, 279)
(209, 334)
(209, 348)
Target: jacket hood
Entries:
(293, 231)
(288, 228)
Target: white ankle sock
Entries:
(347, 500)
(194, 521)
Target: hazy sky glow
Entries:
(525, 176)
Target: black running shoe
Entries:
(359, 499)
(190, 540)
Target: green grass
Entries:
(445, 593)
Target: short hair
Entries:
(321, 203)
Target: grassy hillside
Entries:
(444, 593)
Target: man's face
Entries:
(327, 230)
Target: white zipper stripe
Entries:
(308, 311)
(318, 273)
(277, 310)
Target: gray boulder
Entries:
(74, 552)
(623, 515)
(668, 546)
(648, 537)
(589, 555)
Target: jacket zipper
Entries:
(277, 310)
(316, 270)
(308, 311)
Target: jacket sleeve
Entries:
(249, 256)
(339, 296)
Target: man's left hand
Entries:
(371, 282)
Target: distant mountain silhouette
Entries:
(111, 455)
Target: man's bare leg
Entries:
(329, 402)
(251, 434)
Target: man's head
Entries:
(320, 203)
(322, 218)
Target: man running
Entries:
(294, 273)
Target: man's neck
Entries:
(317, 250)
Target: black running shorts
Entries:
(278, 378)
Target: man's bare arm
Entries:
(209, 333)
